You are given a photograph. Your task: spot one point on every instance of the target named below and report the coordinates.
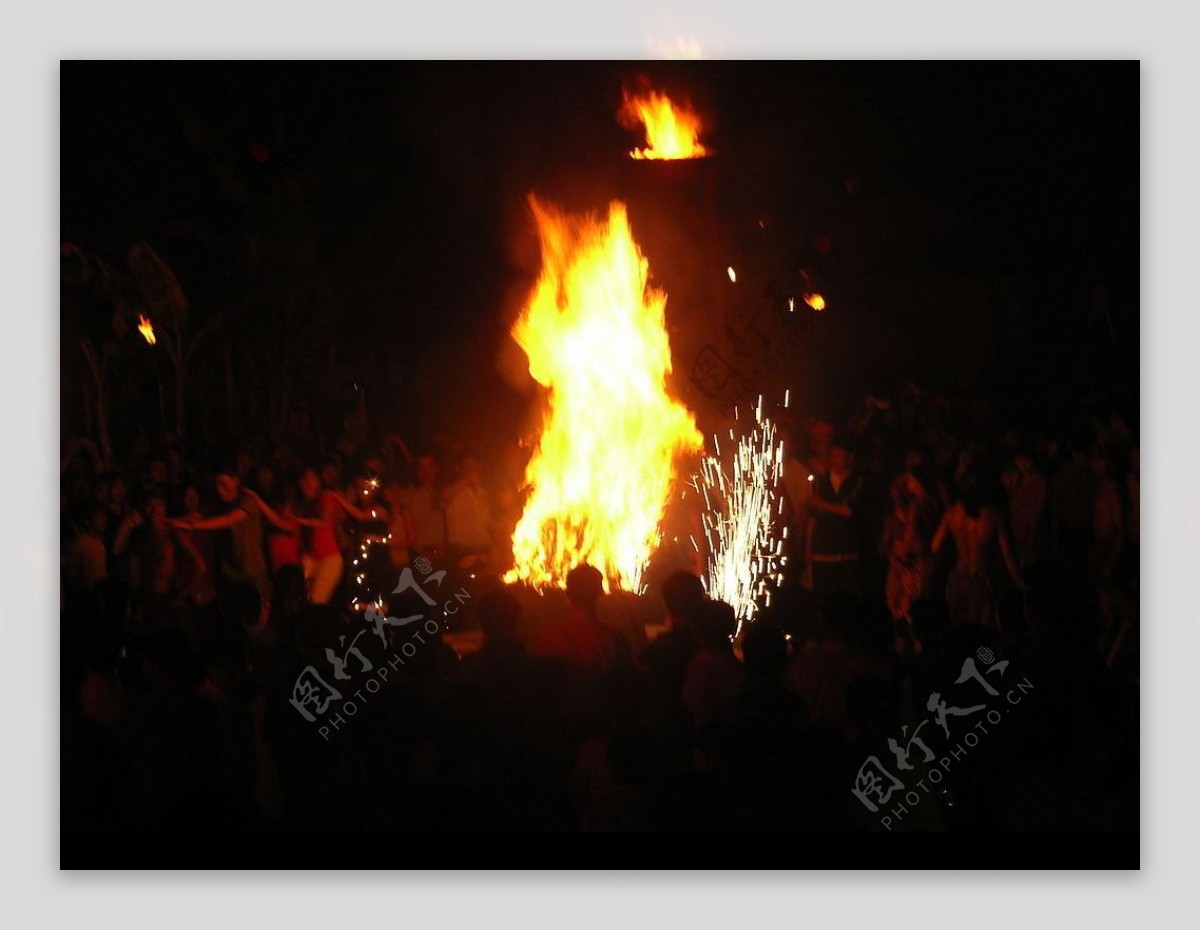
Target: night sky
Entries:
(982, 216)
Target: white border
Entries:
(39, 35)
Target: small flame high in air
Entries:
(605, 464)
(672, 129)
(816, 301)
(678, 49)
(742, 514)
(146, 329)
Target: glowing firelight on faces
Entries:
(672, 129)
(743, 511)
(146, 329)
(603, 470)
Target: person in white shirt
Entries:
(468, 512)
(423, 509)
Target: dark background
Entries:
(362, 228)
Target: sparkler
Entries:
(362, 562)
(742, 515)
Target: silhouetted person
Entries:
(1027, 493)
(821, 673)
(667, 658)
(714, 676)
(500, 671)
(836, 541)
(469, 515)
(581, 639)
(983, 550)
(756, 736)
(244, 558)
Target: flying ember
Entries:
(672, 130)
(146, 329)
(594, 332)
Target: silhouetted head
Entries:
(156, 471)
(310, 484)
(97, 519)
(716, 623)
(156, 513)
(683, 594)
(427, 470)
(331, 474)
(264, 477)
(764, 651)
(228, 487)
(585, 584)
(821, 434)
(242, 600)
(472, 468)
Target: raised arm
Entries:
(940, 536)
(818, 503)
(376, 512)
(840, 510)
(222, 522)
(274, 518)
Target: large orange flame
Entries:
(672, 130)
(594, 332)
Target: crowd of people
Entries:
(176, 536)
(193, 598)
(908, 503)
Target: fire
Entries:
(672, 130)
(146, 329)
(732, 274)
(594, 333)
(816, 301)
